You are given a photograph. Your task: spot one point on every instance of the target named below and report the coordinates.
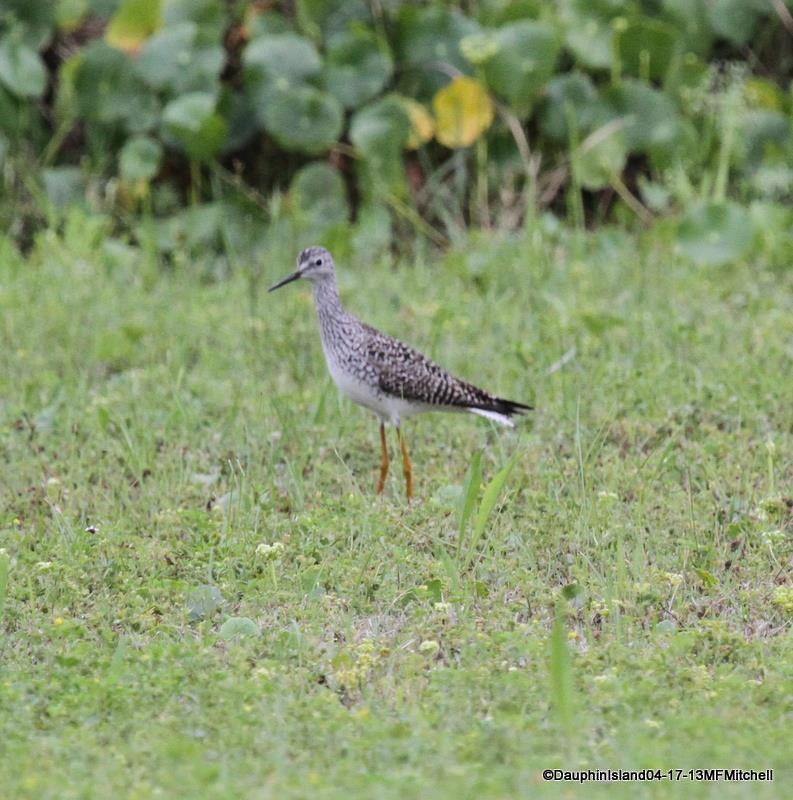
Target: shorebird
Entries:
(383, 374)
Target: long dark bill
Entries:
(288, 279)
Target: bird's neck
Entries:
(326, 299)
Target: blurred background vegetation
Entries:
(231, 126)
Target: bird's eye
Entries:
(318, 262)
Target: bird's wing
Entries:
(404, 372)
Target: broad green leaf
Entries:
(21, 69)
(601, 156)
(171, 60)
(140, 158)
(427, 37)
(304, 119)
(33, 20)
(283, 58)
(357, 67)
(463, 112)
(203, 601)
(333, 16)
(647, 48)
(735, 20)
(573, 93)
(712, 234)
(590, 40)
(523, 63)
(193, 122)
(238, 628)
(318, 192)
(650, 117)
(133, 23)
(379, 133)
(107, 90)
(209, 16)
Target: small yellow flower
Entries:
(59, 620)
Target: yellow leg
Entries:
(406, 465)
(383, 461)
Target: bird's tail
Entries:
(500, 410)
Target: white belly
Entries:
(388, 408)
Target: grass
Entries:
(606, 586)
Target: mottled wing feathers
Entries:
(404, 372)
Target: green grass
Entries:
(623, 600)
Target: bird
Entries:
(383, 374)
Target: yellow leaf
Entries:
(132, 24)
(422, 125)
(463, 112)
(760, 93)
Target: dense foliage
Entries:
(443, 113)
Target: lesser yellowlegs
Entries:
(382, 373)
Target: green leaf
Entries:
(171, 60)
(601, 156)
(573, 92)
(140, 158)
(33, 20)
(133, 23)
(427, 37)
(208, 15)
(333, 16)
(318, 192)
(283, 58)
(108, 91)
(523, 63)
(21, 69)
(651, 118)
(303, 119)
(203, 601)
(734, 20)
(357, 67)
(379, 133)
(192, 121)
(647, 48)
(590, 40)
(238, 628)
(712, 234)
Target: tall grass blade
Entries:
(489, 499)
(470, 490)
(4, 564)
(561, 674)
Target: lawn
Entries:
(201, 596)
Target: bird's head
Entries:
(313, 263)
